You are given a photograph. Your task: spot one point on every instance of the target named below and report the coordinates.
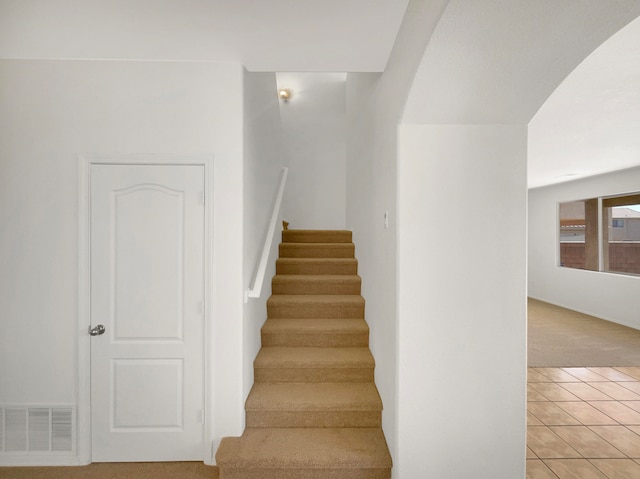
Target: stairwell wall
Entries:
(374, 109)
(313, 123)
(264, 158)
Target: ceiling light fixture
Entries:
(284, 94)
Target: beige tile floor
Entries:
(583, 423)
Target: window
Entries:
(572, 234)
(601, 234)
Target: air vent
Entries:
(37, 430)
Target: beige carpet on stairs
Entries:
(314, 411)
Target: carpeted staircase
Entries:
(314, 411)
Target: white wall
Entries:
(462, 312)
(497, 61)
(605, 295)
(53, 111)
(374, 109)
(313, 123)
(264, 157)
(461, 301)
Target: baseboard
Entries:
(587, 312)
(215, 443)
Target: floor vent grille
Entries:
(37, 429)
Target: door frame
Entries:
(83, 391)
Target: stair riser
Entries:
(311, 267)
(310, 311)
(313, 375)
(314, 419)
(316, 288)
(302, 250)
(293, 236)
(325, 340)
(291, 473)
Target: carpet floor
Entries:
(116, 470)
(559, 337)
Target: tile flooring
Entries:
(583, 423)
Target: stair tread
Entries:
(310, 244)
(300, 284)
(316, 250)
(273, 448)
(320, 325)
(316, 236)
(316, 231)
(337, 299)
(316, 266)
(289, 245)
(312, 357)
(322, 332)
(317, 260)
(314, 397)
(316, 278)
(315, 306)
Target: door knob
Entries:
(97, 331)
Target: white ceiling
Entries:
(263, 35)
(591, 124)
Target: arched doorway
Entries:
(462, 230)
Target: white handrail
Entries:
(256, 288)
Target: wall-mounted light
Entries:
(284, 94)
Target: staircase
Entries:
(314, 411)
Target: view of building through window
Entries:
(615, 247)
(572, 234)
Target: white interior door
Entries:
(147, 291)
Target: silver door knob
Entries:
(97, 331)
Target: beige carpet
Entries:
(115, 470)
(560, 337)
(314, 411)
